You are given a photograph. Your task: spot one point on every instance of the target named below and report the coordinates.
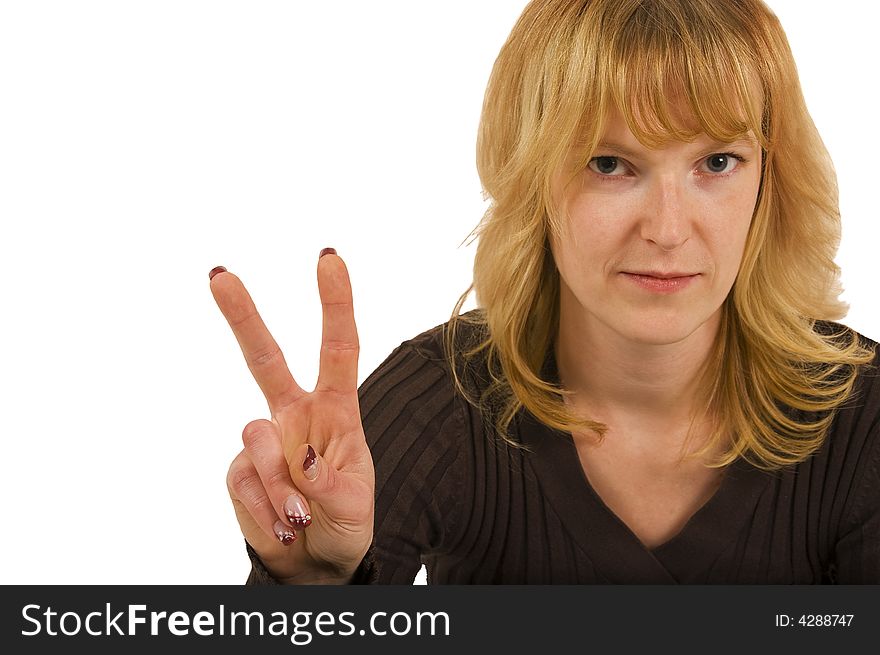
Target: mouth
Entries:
(661, 282)
(659, 275)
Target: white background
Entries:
(143, 143)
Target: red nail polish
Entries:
(285, 535)
(310, 464)
(327, 251)
(295, 510)
(215, 270)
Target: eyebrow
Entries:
(610, 145)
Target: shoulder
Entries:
(412, 364)
(424, 357)
(866, 390)
(862, 408)
(828, 328)
(412, 393)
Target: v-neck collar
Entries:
(616, 552)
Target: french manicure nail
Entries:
(327, 251)
(310, 464)
(215, 270)
(295, 510)
(285, 534)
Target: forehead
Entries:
(683, 115)
(617, 132)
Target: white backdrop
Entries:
(143, 143)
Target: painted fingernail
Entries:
(327, 251)
(285, 533)
(215, 270)
(310, 464)
(295, 510)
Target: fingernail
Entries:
(310, 464)
(295, 510)
(285, 534)
(327, 251)
(215, 270)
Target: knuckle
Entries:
(279, 479)
(243, 316)
(255, 432)
(244, 482)
(344, 346)
(262, 357)
(238, 465)
(261, 505)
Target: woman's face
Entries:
(656, 236)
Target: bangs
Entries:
(674, 73)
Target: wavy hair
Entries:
(775, 375)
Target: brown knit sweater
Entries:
(474, 510)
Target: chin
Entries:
(660, 329)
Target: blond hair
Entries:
(565, 63)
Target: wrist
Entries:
(323, 575)
(316, 578)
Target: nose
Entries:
(666, 220)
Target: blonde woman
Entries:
(653, 388)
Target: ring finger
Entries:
(246, 489)
(262, 441)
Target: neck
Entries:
(612, 376)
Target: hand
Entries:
(324, 537)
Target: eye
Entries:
(606, 166)
(722, 162)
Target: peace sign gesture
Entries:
(303, 485)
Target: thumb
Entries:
(313, 475)
(343, 497)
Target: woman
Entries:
(652, 390)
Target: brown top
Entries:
(475, 510)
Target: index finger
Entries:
(261, 352)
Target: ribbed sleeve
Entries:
(414, 429)
(258, 575)
(366, 573)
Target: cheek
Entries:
(728, 220)
(597, 228)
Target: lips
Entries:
(661, 282)
(660, 275)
